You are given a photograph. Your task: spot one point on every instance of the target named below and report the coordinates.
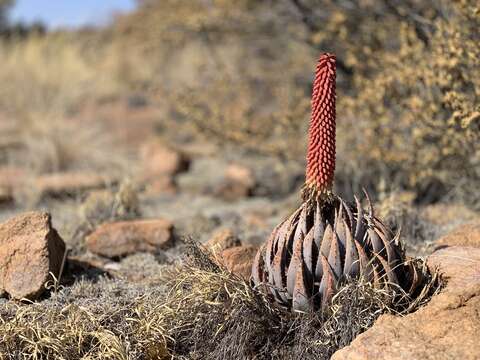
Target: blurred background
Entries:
(198, 110)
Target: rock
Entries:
(240, 174)
(445, 328)
(239, 260)
(238, 182)
(128, 237)
(159, 160)
(10, 178)
(464, 235)
(160, 164)
(222, 239)
(213, 176)
(459, 265)
(69, 183)
(30, 249)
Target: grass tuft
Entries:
(203, 312)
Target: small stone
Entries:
(222, 239)
(128, 237)
(10, 178)
(464, 235)
(239, 260)
(30, 249)
(160, 160)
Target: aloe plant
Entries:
(327, 241)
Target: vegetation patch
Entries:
(204, 312)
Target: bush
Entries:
(417, 116)
(407, 84)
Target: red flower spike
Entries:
(321, 135)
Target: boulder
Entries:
(30, 249)
(239, 260)
(445, 328)
(222, 239)
(128, 237)
(464, 235)
(459, 266)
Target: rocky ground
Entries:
(120, 231)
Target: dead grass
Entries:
(203, 312)
(46, 80)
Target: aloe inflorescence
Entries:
(327, 241)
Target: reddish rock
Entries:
(69, 183)
(239, 260)
(159, 160)
(464, 235)
(238, 182)
(128, 237)
(10, 178)
(222, 239)
(459, 266)
(30, 249)
(445, 328)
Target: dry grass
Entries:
(46, 80)
(96, 323)
(48, 77)
(203, 312)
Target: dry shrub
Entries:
(210, 313)
(110, 205)
(417, 113)
(240, 73)
(192, 56)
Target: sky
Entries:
(68, 13)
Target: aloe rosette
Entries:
(326, 240)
